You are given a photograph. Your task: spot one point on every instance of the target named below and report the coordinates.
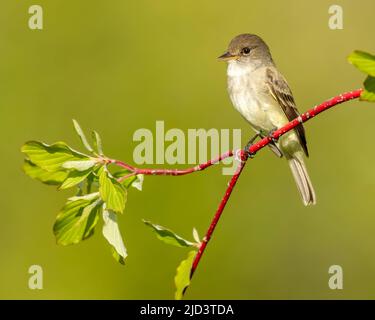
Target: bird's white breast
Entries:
(246, 95)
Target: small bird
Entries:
(262, 95)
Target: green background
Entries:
(118, 66)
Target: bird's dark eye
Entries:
(246, 50)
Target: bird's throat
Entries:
(238, 69)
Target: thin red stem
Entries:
(123, 165)
(173, 172)
(252, 150)
(217, 215)
(256, 147)
(305, 117)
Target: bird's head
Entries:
(246, 48)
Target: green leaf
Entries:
(74, 178)
(89, 197)
(183, 275)
(128, 182)
(80, 165)
(369, 93)
(138, 182)
(77, 220)
(168, 236)
(82, 136)
(112, 233)
(134, 181)
(79, 191)
(196, 236)
(90, 182)
(112, 192)
(50, 178)
(117, 257)
(97, 142)
(122, 173)
(50, 157)
(363, 61)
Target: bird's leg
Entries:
(249, 144)
(270, 135)
(272, 145)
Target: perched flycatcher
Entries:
(261, 94)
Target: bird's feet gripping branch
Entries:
(247, 152)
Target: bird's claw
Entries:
(270, 135)
(249, 154)
(248, 146)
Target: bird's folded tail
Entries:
(303, 181)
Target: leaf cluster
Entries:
(99, 192)
(365, 62)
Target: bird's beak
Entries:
(227, 56)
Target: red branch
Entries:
(173, 172)
(259, 145)
(305, 117)
(217, 215)
(255, 148)
(252, 150)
